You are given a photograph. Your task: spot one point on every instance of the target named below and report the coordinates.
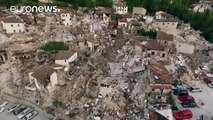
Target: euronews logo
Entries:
(35, 9)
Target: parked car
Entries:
(195, 89)
(2, 109)
(182, 115)
(180, 92)
(13, 108)
(19, 109)
(188, 104)
(209, 82)
(177, 85)
(186, 98)
(31, 115)
(25, 112)
(2, 104)
(177, 82)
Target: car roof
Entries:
(208, 79)
(189, 96)
(186, 111)
(186, 96)
(29, 114)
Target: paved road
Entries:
(205, 97)
(10, 116)
(42, 115)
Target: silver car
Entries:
(31, 115)
(13, 108)
(25, 112)
(195, 89)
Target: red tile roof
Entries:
(104, 11)
(154, 45)
(11, 20)
(64, 55)
(160, 71)
(123, 20)
(43, 72)
(164, 36)
(152, 115)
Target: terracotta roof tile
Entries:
(160, 71)
(164, 36)
(154, 45)
(11, 20)
(104, 10)
(64, 55)
(166, 15)
(43, 72)
(123, 20)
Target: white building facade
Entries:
(66, 61)
(66, 19)
(166, 24)
(12, 25)
(43, 78)
(121, 9)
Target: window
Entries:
(19, 31)
(14, 31)
(18, 25)
(85, 42)
(11, 25)
(162, 23)
(163, 55)
(172, 23)
(66, 15)
(148, 55)
(153, 53)
(62, 15)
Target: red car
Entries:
(182, 115)
(209, 82)
(186, 98)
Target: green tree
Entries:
(30, 2)
(104, 3)
(9, 3)
(151, 34)
(57, 103)
(180, 9)
(55, 46)
(116, 16)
